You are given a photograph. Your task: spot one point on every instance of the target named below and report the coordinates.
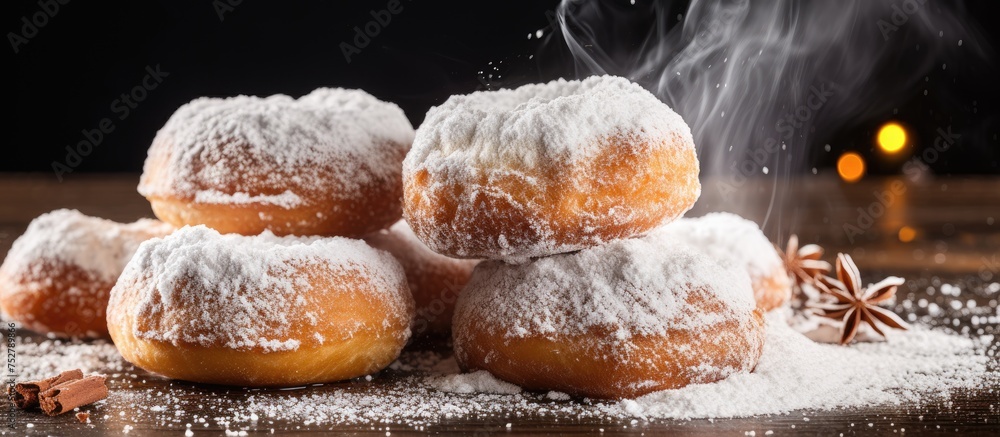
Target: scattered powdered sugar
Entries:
(199, 287)
(476, 382)
(631, 287)
(796, 373)
(912, 368)
(98, 246)
(239, 148)
(559, 121)
(39, 359)
(728, 237)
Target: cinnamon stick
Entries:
(66, 397)
(25, 395)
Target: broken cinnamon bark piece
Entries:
(25, 395)
(66, 397)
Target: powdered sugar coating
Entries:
(538, 124)
(331, 142)
(728, 237)
(556, 167)
(627, 287)
(202, 288)
(67, 237)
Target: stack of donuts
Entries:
(542, 229)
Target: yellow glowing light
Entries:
(907, 234)
(851, 167)
(892, 137)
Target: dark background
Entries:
(66, 78)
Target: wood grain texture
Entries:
(957, 226)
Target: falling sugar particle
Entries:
(723, 113)
(765, 170)
(944, 66)
(826, 147)
(539, 33)
(925, 92)
(814, 170)
(959, 43)
(941, 33)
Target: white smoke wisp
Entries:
(758, 80)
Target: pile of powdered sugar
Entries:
(98, 246)
(276, 150)
(796, 373)
(479, 381)
(200, 287)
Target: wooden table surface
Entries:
(957, 240)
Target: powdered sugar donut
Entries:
(327, 163)
(547, 168)
(57, 276)
(733, 239)
(259, 310)
(615, 321)
(435, 280)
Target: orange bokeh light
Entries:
(907, 234)
(851, 167)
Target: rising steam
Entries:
(758, 80)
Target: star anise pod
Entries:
(856, 304)
(803, 263)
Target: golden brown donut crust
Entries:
(626, 191)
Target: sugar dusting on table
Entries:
(910, 369)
